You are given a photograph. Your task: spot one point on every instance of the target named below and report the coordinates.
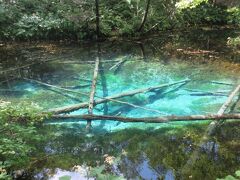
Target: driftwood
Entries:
(209, 131)
(162, 119)
(74, 107)
(93, 90)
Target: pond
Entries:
(117, 150)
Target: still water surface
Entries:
(116, 150)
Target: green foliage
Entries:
(230, 177)
(233, 41)
(183, 4)
(35, 25)
(203, 14)
(75, 19)
(234, 16)
(18, 134)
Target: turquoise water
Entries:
(139, 150)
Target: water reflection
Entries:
(144, 154)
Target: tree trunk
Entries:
(97, 19)
(145, 16)
(209, 131)
(93, 89)
(161, 119)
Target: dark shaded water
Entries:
(130, 150)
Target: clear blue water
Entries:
(152, 150)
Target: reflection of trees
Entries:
(164, 149)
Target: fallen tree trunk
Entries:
(139, 107)
(55, 87)
(84, 105)
(229, 100)
(76, 87)
(223, 83)
(87, 62)
(197, 92)
(104, 87)
(93, 90)
(209, 131)
(161, 119)
(118, 64)
(74, 107)
(67, 95)
(221, 111)
(82, 79)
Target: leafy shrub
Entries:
(18, 135)
(204, 13)
(75, 19)
(234, 16)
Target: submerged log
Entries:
(209, 131)
(93, 90)
(229, 100)
(54, 87)
(76, 87)
(104, 88)
(82, 79)
(74, 107)
(14, 91)
(137, 106)
(196, 92)
(118, 64)
(161, 119)
(84, 105)
(87, 62)
(223, 83)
